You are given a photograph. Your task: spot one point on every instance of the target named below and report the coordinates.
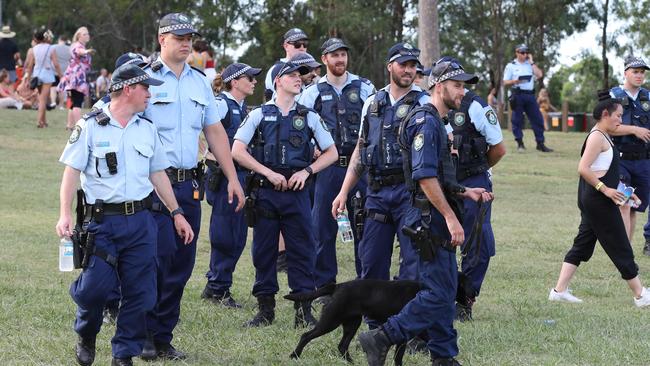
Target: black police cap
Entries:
(448, 68)
(176, 23)
(233, 71)
(129, 74)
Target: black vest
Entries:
(471, 145)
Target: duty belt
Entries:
(125, 208)
(639, 155)
(387, 180)
(262, 182)
(180, 175)
(519, 91)
(343, 161)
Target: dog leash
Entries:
(476, 235)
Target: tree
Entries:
(428, 36)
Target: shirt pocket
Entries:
(100, 162)
(143, 156)
(198, 104)
(162, 109)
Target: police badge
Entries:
(418, 142)
(645, 105)
(491, 117)
(298, 122)
(459, 118)
(402, 110)
(353, 97)
(74, 136)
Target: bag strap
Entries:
(42, 61)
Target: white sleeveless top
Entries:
(604, 159)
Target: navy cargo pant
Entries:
(475, 265)
(293, 218)
(327, 187)
(528, 104)
(175, 262)
(433, 308)
(376, 246)
(228, 233)
(132, 240)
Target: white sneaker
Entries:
(644, 300)
(566, 296)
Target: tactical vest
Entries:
(233, 118)
(635, 113)
(380, 152)
(341, 114)
(282, 143)
(471, 145)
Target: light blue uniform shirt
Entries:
(309, 95)
(249, 125)
(515, 69)
(181, 108)
(139, 153)
(479, 116)
(424, 99)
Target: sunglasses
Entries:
(299, 44)
(523, 52)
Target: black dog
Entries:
(374, 299)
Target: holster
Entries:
(79, 234)
(199, 173)
(249, 210)
(423, 240)
(88, 249)
(215, 175)
(359, 213)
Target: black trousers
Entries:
(602, 221)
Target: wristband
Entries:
(599, 186)
(178, 211)
(309, 170)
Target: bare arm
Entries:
(69, 182)
(352, 175)
(640, 132)
(29, 63)
(217, 139)
(495, 153)
(55, 62)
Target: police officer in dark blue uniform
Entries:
(338, 97)
(521, 74)
(228, 228)
(121, 159)
(632, 141)
(387, 198)
(478, 142)
(436, 229)
(280, 132)
(181, 108)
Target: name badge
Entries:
(235, 111)
(103, 144)
(326, 97)
(271, 118)
(161, 95)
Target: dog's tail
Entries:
(325, 290)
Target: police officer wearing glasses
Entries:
(520, 74)
(182, 108)
(294, 41)
(428, 167)
(338, 98)
(280, 134)
(121, 159)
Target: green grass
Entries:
(535, 218)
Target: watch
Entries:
(178, 211)
(309, 170)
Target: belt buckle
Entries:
(129, 208)
(180, 175)
(343, 161)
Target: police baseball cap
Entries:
(448, 68)
(403, 52)
(130, 58)
(176, 23)
(287, 68)
(332, 45)
(129, 74)
(306, 59)
(233, 71)
(294, 34)
(635, 63)
(521, 48)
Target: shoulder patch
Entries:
(491, 117)
(418, 142)
(198, 70)
(74, 135)
(322, 123)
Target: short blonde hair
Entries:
(77, 34)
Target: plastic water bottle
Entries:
(345, 229)
(66, 263)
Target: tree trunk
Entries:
(604, 45)
(428, 37)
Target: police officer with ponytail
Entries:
(280, 134)
(228, 228)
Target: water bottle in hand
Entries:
(65, 255)
(345, 229)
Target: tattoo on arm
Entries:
(355, 163)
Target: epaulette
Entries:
(303, 110)
(102, 118)
(146, 119)
(155, 66)
(93, 112)
(365, 81)
(199, 70)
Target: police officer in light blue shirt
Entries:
(280, 134)
(377, 153)
(228, 228)
(181, 108)
(294, 41)
(121, 159)
(338, 97)
(521, 74)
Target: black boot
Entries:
(444, 362)
(168, 352)
(463, 312)
(646, 248)
(281, 263)
(375, 344)
(85, 351)
(220, 298)
(122, 362)
(303, 317)
(265, 314)
(520, 145)
(543, 148)
(149, 352)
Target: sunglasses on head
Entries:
(299, 44)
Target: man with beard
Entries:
(338, 98)
(387, 203)
(182, 108)
(435, 190)
(295, 41)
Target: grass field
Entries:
(535, 218)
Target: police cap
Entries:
(521, 48)
(635, 63)
(233, 71)
(306, 59)
(176, 23)
(129, 74)
(294, 34)
(130, 58)
(403, 52)
(448, 68)
(332, 45)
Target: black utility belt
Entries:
(387, 180)
(343, 161)
(181, 175)
(100, 209)
(262, 182)
(641, 155)
(471, 171)
(519, 91)
(214, 165)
